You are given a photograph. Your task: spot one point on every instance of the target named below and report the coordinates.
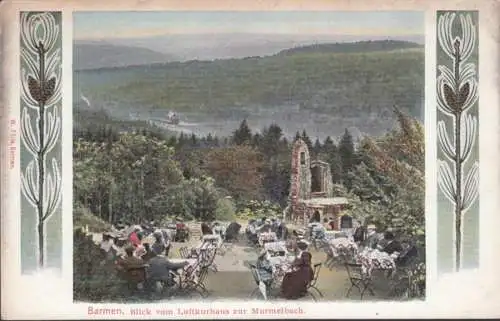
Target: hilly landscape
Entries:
(322, 88)
(96, 55)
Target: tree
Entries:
(194, 198)
(346, 152)
(297, 136)
(389, 183)
(317, 148)
(115, 180)
(330, 154)
(243, 135)
(307, 140)
(270, 142)
(236, 169)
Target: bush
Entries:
(257, 209)
(94, 278)
(225, 210)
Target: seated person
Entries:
(120, 246)
(205, 229)
(134, 237)
(264, 269)
(358, 233)
(406, 256)
(295, 283)
(391, 246)
(130, 267)
(130, 261)
(331, 222)
(372, 238)
(158, 246)
(107, 242)
(108, 247)
(267, 227)
(166, 240)
(279, 229)
(326, 224)
(148, 252)
(160, 268)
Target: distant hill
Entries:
(212, 46)
(353, 87)
(352, 47)
(102, 55)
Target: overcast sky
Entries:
(136, 24)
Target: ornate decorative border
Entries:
(41, 68)
(457, 133)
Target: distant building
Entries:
(311, 190)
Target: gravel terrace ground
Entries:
(234, 279)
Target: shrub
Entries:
(94, 279)
(225, 210)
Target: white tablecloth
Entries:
(375, 260)
(190, 261)
(275, 246)
(264, 237)
(344, 247)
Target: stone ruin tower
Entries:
(300, 185)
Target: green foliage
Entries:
(389, 182)
(243, 135)
(115, 179)
(346, 153)
(225, 210)
(192, 199)
(258, 209)
(94, 278)
(83, 218)
(346, 84)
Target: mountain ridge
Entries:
(97, 55)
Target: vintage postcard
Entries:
(280, 159)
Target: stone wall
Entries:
(300, 185)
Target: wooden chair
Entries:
(358, 279)
(313, 284)
(197, 284)
(184, 252)
(256, 278)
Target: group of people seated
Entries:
(229, 233)
(266, 225)
(369, 238)
(296, 278)
(139, 262)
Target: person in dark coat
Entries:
(232, 231)
(372, 238)
(358, 233)
(160, 267)
(392, 246)
(281, 230)
(205, 229)
(129, 265)
(296, 282)
(148, 252)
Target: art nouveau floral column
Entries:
(456, 93)
(40, 120)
